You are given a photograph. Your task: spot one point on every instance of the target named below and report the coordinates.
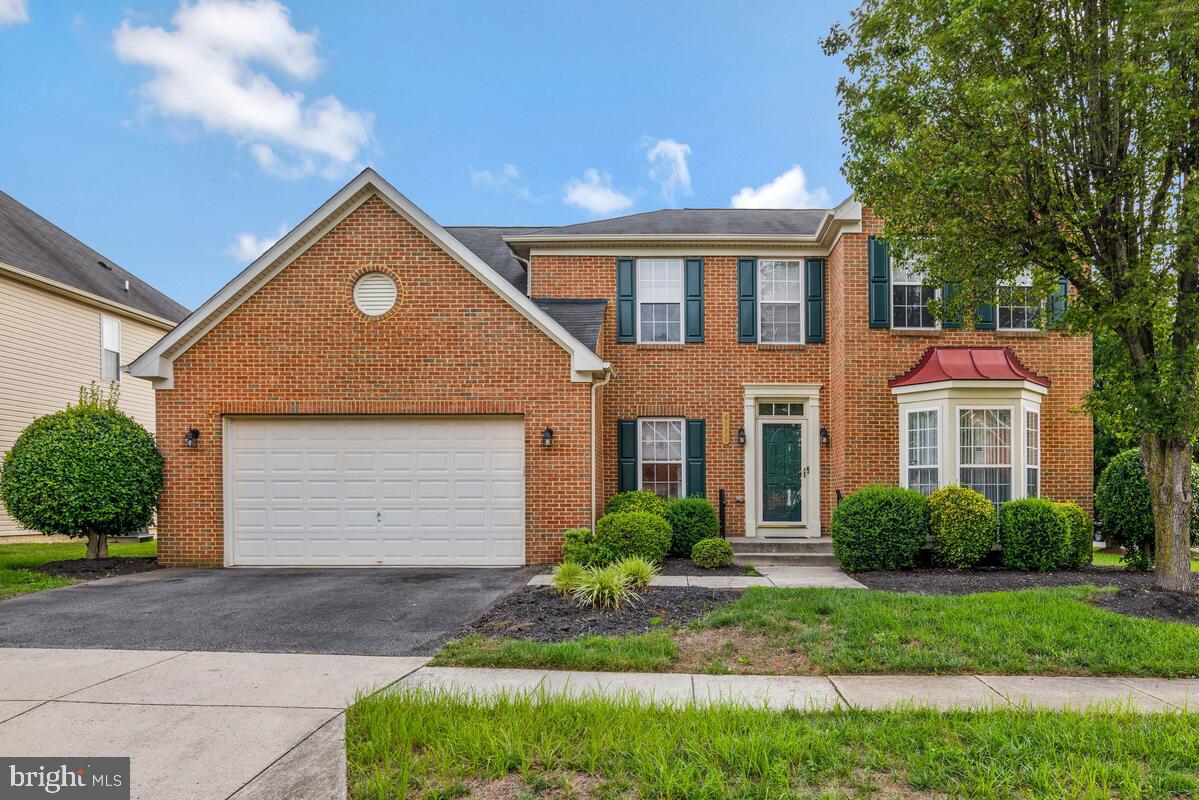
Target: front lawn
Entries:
(1113, 560)
(417, 745)
(17, 563)
(839, 631)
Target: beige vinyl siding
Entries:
(49, 347)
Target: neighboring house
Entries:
(68, 316)
(379, 389)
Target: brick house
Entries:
(379, 389)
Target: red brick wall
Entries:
(299, 346)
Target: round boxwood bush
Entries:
(963, 526)
(879, 527)
(1125, 511)
(712, 553)
(579, 547)
(1034, 535)
(639, 500)
(88, 471)
(632, 533)
(1080, 533)
(691, 519)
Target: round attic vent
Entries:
(375, 293)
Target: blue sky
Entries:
(179, 139)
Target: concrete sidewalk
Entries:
(195, 725)
(779, 577)
(943, 692)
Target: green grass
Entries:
(1113, 560)
(418, 745)
(18, 560)
(838, 631)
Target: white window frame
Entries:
(904, 446)
(803, 288)
(1024, 281)
(1032, 446)
(1015, 490)
(910, 281)
(641, 462)
(105, 319)
(679, 262)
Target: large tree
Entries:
(1062, 137)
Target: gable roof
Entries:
(967, 364)
(157, 363)
(583, 317)
(32, 244)
(701, 222)
(489, 245)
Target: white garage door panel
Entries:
(385, 490)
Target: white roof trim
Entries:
(156, 363)
(995, 385)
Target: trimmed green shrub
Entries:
(963, 526)
(1080, 533)
(712, 553)
(691, 519)
(879, 527)
(604, 587)
(88, 471)
(1125, 510)
(639, 571)
(579, 546)
(1034, 535)
(640, 500)
(633, 533)
(567, 576)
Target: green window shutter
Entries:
(879, 260)
(626, 300)
(697, 469)
(626, 455)
(693, 298)
(814, 285)
(984, 320)
(747, 300)
(1058, 301)
(954, 320)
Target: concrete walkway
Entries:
(195, 725)
(823, 693)
(780, 577)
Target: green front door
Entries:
(782, 472)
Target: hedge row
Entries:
(644, 525)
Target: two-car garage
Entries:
(384, 490)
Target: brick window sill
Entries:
(1038, 334)
(663, 346)
(917, 333)
(786, 346)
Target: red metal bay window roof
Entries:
(967, 364)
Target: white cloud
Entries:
(594, 193)
(505, 180)
(247, 246)
(13, 12)
(205, 70)
(668, 160)
(789, 190)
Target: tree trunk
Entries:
(1168, 469)
(93, 545)
(102, 549)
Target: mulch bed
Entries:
(1133, 596)
(543, 615)
(82, 569)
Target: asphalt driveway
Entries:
(375, 612)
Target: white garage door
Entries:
(375, 490)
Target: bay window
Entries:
(985, 452)
(1032, 449)
(923, 468)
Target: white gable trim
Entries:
(157, 363)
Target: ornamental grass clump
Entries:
(639, 571)
(604, 587)
(567, 576)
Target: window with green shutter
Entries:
(747, 301)
(814, 289)
(626, 300)
(879, 269)
(626, 455)
(693, 299)
(697, 469)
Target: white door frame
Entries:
(809, 395)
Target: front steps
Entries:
(761, 551)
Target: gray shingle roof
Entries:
(701, 222)
(581, 317)
(33, 244)
(488, 244)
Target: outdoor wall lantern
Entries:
(824, 436)
(547, 437)
(741, 435)
(191, 437)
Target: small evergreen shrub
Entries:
(579, 546)
(1034, 535)
(691, 519)
(639, 571)
(639, 500)
(633, 533)
(604, 587)
(567, 576)
(1125, 510)
(879, 527)
(1080, 533)
(963, 526)
(712, 553)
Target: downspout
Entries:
(609, 373)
